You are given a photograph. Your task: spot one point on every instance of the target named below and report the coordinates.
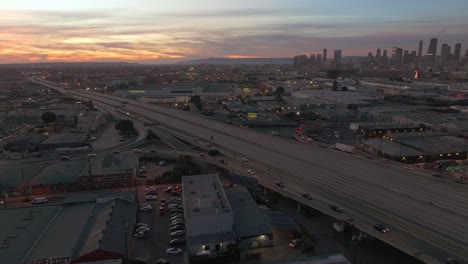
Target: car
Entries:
(177, 225)
(173, 251)
(208, 145)
(228, 185)
(279, 184)
(63, 158)
(177, 241)
(141, 235)
(122, 139)
(244, 159)
(409, 168)
(251, 172)
(142, 229)
(383, 160)
(176, 211)
(295, 243)
(39, 200)
(203, 155)
(136, 150)
(307, 196)
(195, 139)
(162, 261)
(151, 192)
(152, 151)
(146, 207)
(92, 155)
(168, 190)
(116, 152)
(381, 228)
(335, 208)
(149, 189)
(151, 197)
(177, 228)
(296, 233)
(177, 216)
(177, 222)
(176, 199)
(176, 193)
(141, 224)
(451, 261)
(223, 161)
(178, 233)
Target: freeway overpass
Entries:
(427, 218)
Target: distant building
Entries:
(318, 59)
(209, 219)
(337, 57)
(324, 56)
(432, 51)
(445, 53)
(385, 57)
(62, 140)
(378, 56)
(420, 49)
(457, 52)
(397, 55)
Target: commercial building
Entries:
(420, 48)
(109, 171)
(209, 218)
(432, 51)
(62, 140)
(337, 57)
(83, 231)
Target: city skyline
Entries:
(161, 32)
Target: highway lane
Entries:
(380, 188)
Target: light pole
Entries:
(90, 156)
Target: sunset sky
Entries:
(157, 31)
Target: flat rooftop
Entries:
(343, 97)
(64, 138)
(248, 220)
(204, 195)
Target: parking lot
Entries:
(154, 246)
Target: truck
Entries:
(344, 148)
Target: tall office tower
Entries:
(324, 57)
(445, 53)
(406, 57)
(378, 56)
(312, 58)
(370, 57)
(432, 50)
(318, 59)
(420, 49)
(337, 57)
(385, 57)
(397, 54)
(456, 55)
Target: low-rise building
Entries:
(62, 140)
(209, 218)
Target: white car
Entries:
(151, 197)
(177, 233)
(173, 251)
(142, 229)
(177, 222)
(146, 207)
(244, 159)
(141, 225)
(176, 199)
(177, 217)
(251, 172)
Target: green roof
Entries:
(21, 227)
(10, 175)
(60, 172)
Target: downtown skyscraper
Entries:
(432, 50)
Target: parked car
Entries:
(295, 234)
(176, 199)
(151, 192)
(141, 224)
(177, 228)
(223, 161)
(173, 251)
(162, 261)
(141, 234)
(307, 196)
(178, 233)
(143, 229)
(136, 150)
(177, 241)
(245, 159)
(151, 197)
(295, 243)
(177, 222)
(176, 211)
(146, 207)
(63, 158)
(279, 184)
(251, 172)
(203, 155)
(335, 208)
(381, 228)
(116, 152)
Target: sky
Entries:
(166, 31)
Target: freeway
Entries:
(427, 218)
